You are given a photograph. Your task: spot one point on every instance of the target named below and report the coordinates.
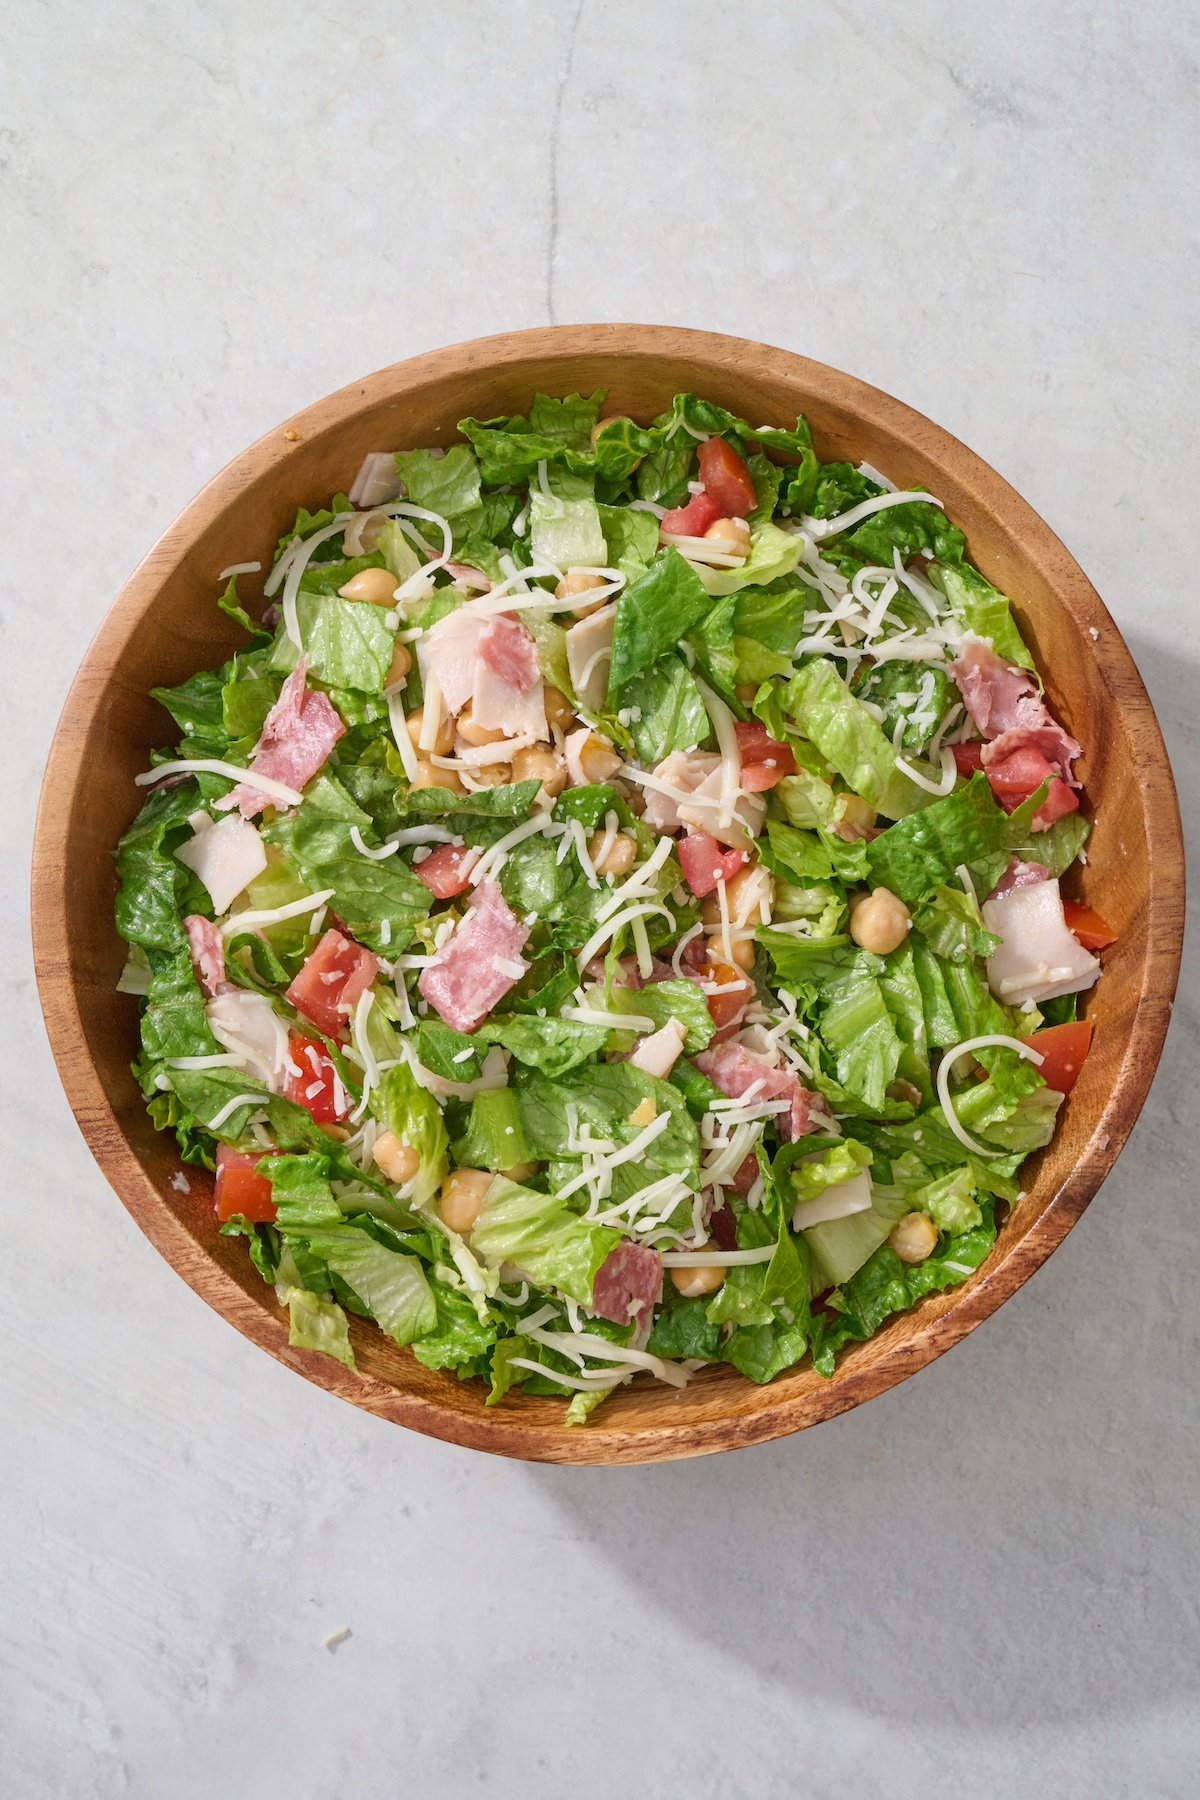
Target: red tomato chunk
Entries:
(241, 1191)
(727, 479)
(316, 1087)
(328, 987)
(1062, 1049)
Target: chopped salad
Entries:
(606, 919)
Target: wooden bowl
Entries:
(165, 625)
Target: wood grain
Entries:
(164, 626)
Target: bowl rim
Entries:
(504, 1432)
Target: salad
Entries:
(606, 920)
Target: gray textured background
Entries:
(983, 1584)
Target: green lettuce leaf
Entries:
(367, 894)
(663, 1000)
(446, 484)
(460, 1340)
(541, 1236)
(885, 1286)
(391, 1286)
(983, 610)
(564, 525)
(653, 614)
(949, 921)
(348, 642)
(824, 710)
(403, 1106)
(317, 1324)
(774, 553)
(555, 1046)
(632, 539)
(671, 714)
(921, 853)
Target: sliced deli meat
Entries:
(1018, 875)
(479, 963)
(507, 693)
(1038, 956)
(508, 650)
(226, 856)
(297, 735)
(589, 653)
(448, 654)
(738, 1072)
(628, 1284)
(207, 953)
(1005, 706)
(332, 981)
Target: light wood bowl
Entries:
(165, 625)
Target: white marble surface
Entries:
(983, 1584)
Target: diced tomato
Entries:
(968, 757)
(1060, 800)
(726, 1008)
(329, 985)
(1093, 932)
(240, 1189)
(764, 760)
(692, 520)
(705, 863)
(727, 479)
(316, 1087)
(446, 871)
(1018, 775)
(1062, 1049)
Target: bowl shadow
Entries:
(975, 1543)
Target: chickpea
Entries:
(443, 743)
(598, 759)
(643, 1114)
(733, 536)
(520, 1171)
(743, 894)
(376, 585)
(914, 1238)
(559, 710)
(741, 951)
(428, 776)
(705, 1278)
(397, 1160)
(745, 691)
(609, 419)
(401, 665)
(903, 1091)
(543, 766)
(497, 774)
(619, 857)
(855, 819)
(471, 733)
(462, 1198)
(879, 922)
(576, 582)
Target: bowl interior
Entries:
(165, 626)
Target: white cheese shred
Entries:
(998, 1041)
